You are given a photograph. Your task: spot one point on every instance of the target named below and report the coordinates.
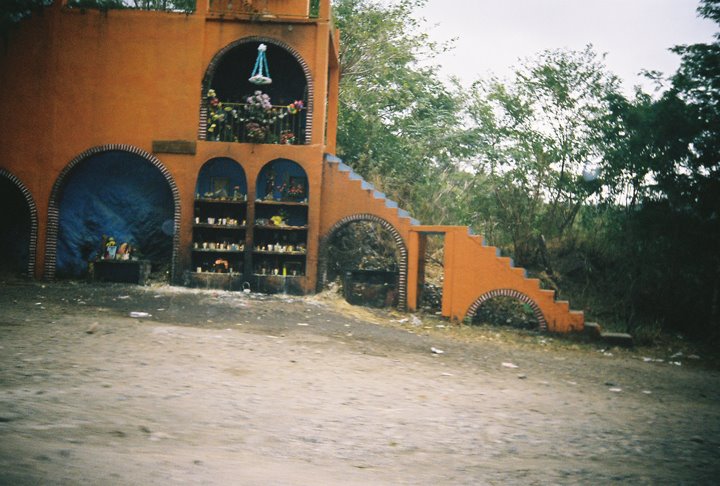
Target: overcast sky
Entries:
(493, 34)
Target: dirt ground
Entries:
(232, 388)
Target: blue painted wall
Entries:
(225, 168)
(118, 194)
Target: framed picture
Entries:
(220, 186)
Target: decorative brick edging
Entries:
(32, 207)
(212, 66)
(402, 248)
(542, 323)
(54, 207)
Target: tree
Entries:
(12, 11)
(397, 118)
(537, 135)
(662, 171)
(166, 5)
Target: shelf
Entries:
(209, 250)
(273, 275)
(220, 226)
(221, 201)
(281, 228)
(218, 274)
(290, 253)
(279, 203)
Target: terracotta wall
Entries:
(73, 79)
(253, 158)
(473, 271)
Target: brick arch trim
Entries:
(402, 249)
(472, 310)
(54, 207)
(32, 249)
(212, 66)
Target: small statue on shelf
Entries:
(221, 266)
(238, 195)
(270, 184)
(109, 247)
(124, 251)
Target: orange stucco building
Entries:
(166, 87)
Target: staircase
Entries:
(474, 272)
(377, 201)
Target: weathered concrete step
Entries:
(617, 339)
(593, 330)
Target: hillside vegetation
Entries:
(612, 199)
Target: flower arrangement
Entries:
(258, 115)
(255, 132)
(296, 190)
(287, 137)
(258, 106)
(219, 115)
(295, 107)
(254, 119)
(292, 189)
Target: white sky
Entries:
(493, 34)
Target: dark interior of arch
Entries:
(230, 80)
(219, 172)
(15, 228)
(506, 311)
(363, 256)
(116, 194)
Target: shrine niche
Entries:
(129, 122)
(111, 205)
(243, 103)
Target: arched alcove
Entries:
(220, 212)
(509, 304)
(226, 113)
(280, 230)
(18, 227)
(230, 77)
(402, 254)
(278, 177)
(221, 177)
(117, 191)
(363, 257)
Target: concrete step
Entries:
(617, 339)
(592, 330)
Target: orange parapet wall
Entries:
(267, 8)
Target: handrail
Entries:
(243, 123)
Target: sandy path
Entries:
(293, 392)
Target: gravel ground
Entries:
(232, 388)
